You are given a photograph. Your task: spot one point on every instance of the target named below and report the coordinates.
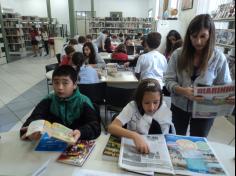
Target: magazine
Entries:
(55, 130)
(193, 156)
(77, 154)
(214, 104)
(172, 154)
(158, 160)
(111, 151)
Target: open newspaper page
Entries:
(158, 160)
(214, 104)
(193, 156)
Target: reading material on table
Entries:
(111, 151)
(172, 154)
(55, 130)
(78, 153)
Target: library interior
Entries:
(110, 87)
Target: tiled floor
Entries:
(23, 85)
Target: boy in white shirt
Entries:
(152, 64)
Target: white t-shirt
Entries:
(136, 122)
(101, 39)
(152, 65)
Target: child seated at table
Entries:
(67, 106)
(120, 53)
(92, 58)
(152, 64)
(147, 114)
(66, 59)
(86, 73)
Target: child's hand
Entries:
(141, 144)
(33, 137)
(76, 134)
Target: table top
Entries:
(107, 56)
(18, 157)
(119, 77)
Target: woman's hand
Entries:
(140, 144)
(188, 92)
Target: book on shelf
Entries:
(171, 154)
(214, 103)
(111, 151)
(78, 153)
(55, 130)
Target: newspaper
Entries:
(214, 104)
(193, 156)
(158, 160)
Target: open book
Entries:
(171, 154)
(111, 151)
(54, 130)
(214, 104)
(78, 153)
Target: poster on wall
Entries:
(187, 4)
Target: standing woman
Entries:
(34, 34)
(91, 56)
(172, 37)
(197, 63)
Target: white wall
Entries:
(60, 11)
(184, 18)
(27, 7)
(130, 8)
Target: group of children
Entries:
(196, 63)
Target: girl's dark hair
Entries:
(146, 85)
(121, 48)
(78, 59)
(73, 42)
(65, 70)
(169, 46)
(69, 49)
(186, 60)
(92, 55)
(153, 40)
(81, 39)
(107, 45)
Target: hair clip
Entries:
(151, 84)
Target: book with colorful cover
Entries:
(47, 143)
(78, 153)
(55, 130)
(111, 151)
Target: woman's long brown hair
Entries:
(186, 60)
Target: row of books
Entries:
(226, 37)
(225, 11)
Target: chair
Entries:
(130, 50)
(49, 68)
(96, 93)
(117, 99)
(58, 56)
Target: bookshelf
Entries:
(27, 23)
(224, 19)
(14, 34)
(3, 59)
(127, 25)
